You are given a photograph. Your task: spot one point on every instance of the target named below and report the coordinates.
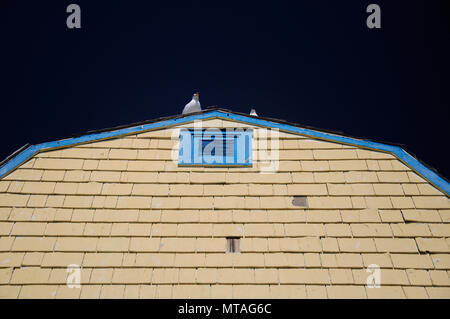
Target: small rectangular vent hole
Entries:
(300, 201)
(233, 245)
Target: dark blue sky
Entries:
(309, 62)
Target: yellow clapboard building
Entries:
(219, 204)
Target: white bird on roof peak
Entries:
(193, 106)
(253, 112)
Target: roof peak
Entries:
(213, 112)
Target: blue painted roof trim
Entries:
(397, 151)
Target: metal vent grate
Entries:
(233, 245)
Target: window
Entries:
(215, 147)
(233, 245)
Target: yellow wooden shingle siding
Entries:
(140, 226)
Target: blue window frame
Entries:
(215, 147)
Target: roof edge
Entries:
(26, 152)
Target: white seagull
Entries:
(193, 106)
(253, 112)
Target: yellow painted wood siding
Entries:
(141, 227)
